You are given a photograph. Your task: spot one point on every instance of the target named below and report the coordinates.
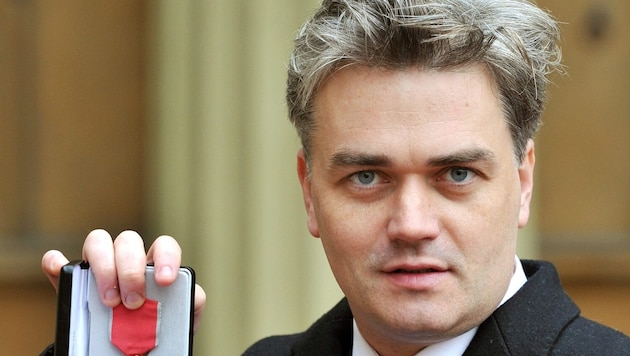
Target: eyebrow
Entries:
(357, 159)
(463, 157)
(354, 159)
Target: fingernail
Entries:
(133, 300)
(166, 272)
(111, 295)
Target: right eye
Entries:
(365, 178)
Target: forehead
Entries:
(362, 108)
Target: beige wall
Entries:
(583, 161)
(71, 145)
(224, 167)
(28, 317)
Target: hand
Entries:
(119, 267)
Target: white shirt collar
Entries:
(454, 346)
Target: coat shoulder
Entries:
(587, 337)
(330, 335)
(272, 346)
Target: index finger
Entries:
(98, 251)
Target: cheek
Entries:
(348, 232)
(487, 240)
(340, 228)
(344, 251)
(488, 227)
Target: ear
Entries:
(526, 177)
(305, 182)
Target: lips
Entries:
(416, 276)
(414, 267)
(424, 270)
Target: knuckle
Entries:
(131, 275)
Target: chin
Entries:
(429, 323)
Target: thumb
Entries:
(52, 261)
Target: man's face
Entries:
(417, 197)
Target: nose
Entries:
(414, 215)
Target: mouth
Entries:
(416, 277)
(418, 267)
(416, 271)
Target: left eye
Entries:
(459, 174)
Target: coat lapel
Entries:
(530, 322)
(330, 335)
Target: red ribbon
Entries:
(134, 332)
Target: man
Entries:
(416, 120)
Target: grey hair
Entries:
(516, 40)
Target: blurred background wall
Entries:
(168, 118)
